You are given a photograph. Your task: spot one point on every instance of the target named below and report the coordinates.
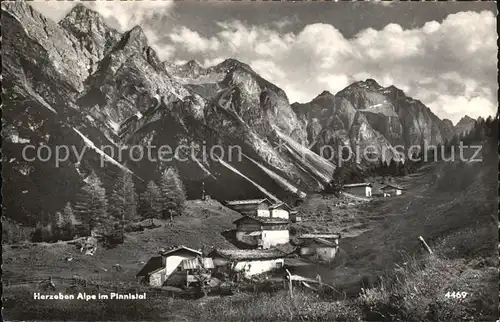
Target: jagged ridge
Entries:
(365, 113)
(98, 87)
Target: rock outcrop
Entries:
(463, 126)
(367, 114)
(107, 97)
(83, 85)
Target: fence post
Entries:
(425, 245)
(290, 282)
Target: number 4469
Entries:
(456, 295)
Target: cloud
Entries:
(455, 107)
(165, 51)
(192, 41)
(283, 23)
(122, 15)
(448, 65)
(54, 10)
(128, 14)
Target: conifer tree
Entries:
(123, 199)
(58, 226)
(403, 168)
(173, 194)
(92, 205)
(68, 230)
(150, 201)
(393, 168)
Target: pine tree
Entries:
(393, 168)
(58, 226)
(455, 140)
(492, 127)
(38, 233)
(123, 199)
(173, 194)
(68, 230)
(48, 233)
(150, 201)
(439, 150)
(92, 205)
(335, 185)
(380, 168)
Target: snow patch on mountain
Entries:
(106, 157)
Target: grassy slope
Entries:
(461, 200)
(454, 212)
(201, 224)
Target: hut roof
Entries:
(324, 242)
(178, 248)
(263, 220)
(281, 205)
(320, 235)
(153, 264)
(249, 254)
(247, 202)
(354, 185)
(391, 186)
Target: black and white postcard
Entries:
(249, 161)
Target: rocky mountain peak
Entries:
(192, 68)
(135, 39)
(465, 124)
(137, 34)
(366, 113)
(21, 8)
(82, 20)
(466, 121)
(81, 11)
(325, 94)
(466, 118)
(90, 34)
(102, 85)
(325, 100)
(372, 83)
(447, 129)
(193, 63)
(394, 93)
(368, 85)
(230, 64)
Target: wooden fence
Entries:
(56, 283)
(55, 280)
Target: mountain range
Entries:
(81, 84)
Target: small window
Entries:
(279, 265)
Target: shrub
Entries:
(417, 293)
(468, 243)
(44, 234)
(13, 233)
(279, 306)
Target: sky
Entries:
(443, 54)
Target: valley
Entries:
(453, 216)
(91, 222)
(128, 98)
